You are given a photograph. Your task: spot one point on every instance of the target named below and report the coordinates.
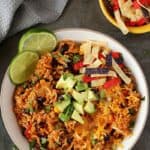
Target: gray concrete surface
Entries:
(85, 14)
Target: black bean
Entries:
(22, 92)
(106, 138)
(119, 136)
(107, 126)
(54, 62)
(42, 124)
(61, 97)
(69, 140)
(64, 48)
(95, 90)
(132, 111)
(122, 105)
(40, 101)
(47, 80)
(112, 132)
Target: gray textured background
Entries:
(85, 14)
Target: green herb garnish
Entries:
(47, 108)
(102, 94)
(67, 75)
(30, 109)
(25, 85)
(32, 144)
(43, 140)
(81, 86)
(14, 147)
(42, 148)
(76, 58)
(131, 124)
(66, 115)
(93, 140)
(131, 111)
(143, 98)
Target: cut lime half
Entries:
(22, 66)
(39, 40)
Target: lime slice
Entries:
(39, 40)
(22, 66)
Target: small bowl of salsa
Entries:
(128, 15)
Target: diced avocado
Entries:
(79, 77)
(43, 140)
(85, 94)
(89, 107)
(66, 81)
(70, 82)
(66, 97)
(60, 84)
(78, 107)
(78, 97)
(76, 116)
(81, 86)
(68, 75)
(62, 105)
(91, 96)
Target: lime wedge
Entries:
(22, 66)
(39, 40)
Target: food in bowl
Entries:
(79, 96)
(129, 13)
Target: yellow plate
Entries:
(135, 30)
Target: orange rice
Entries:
(103, 130)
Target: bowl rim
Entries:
(135, 30)
(112, 39)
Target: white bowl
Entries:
(7, 89)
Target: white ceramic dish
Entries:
(7, 89)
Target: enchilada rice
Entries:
(81, 96)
